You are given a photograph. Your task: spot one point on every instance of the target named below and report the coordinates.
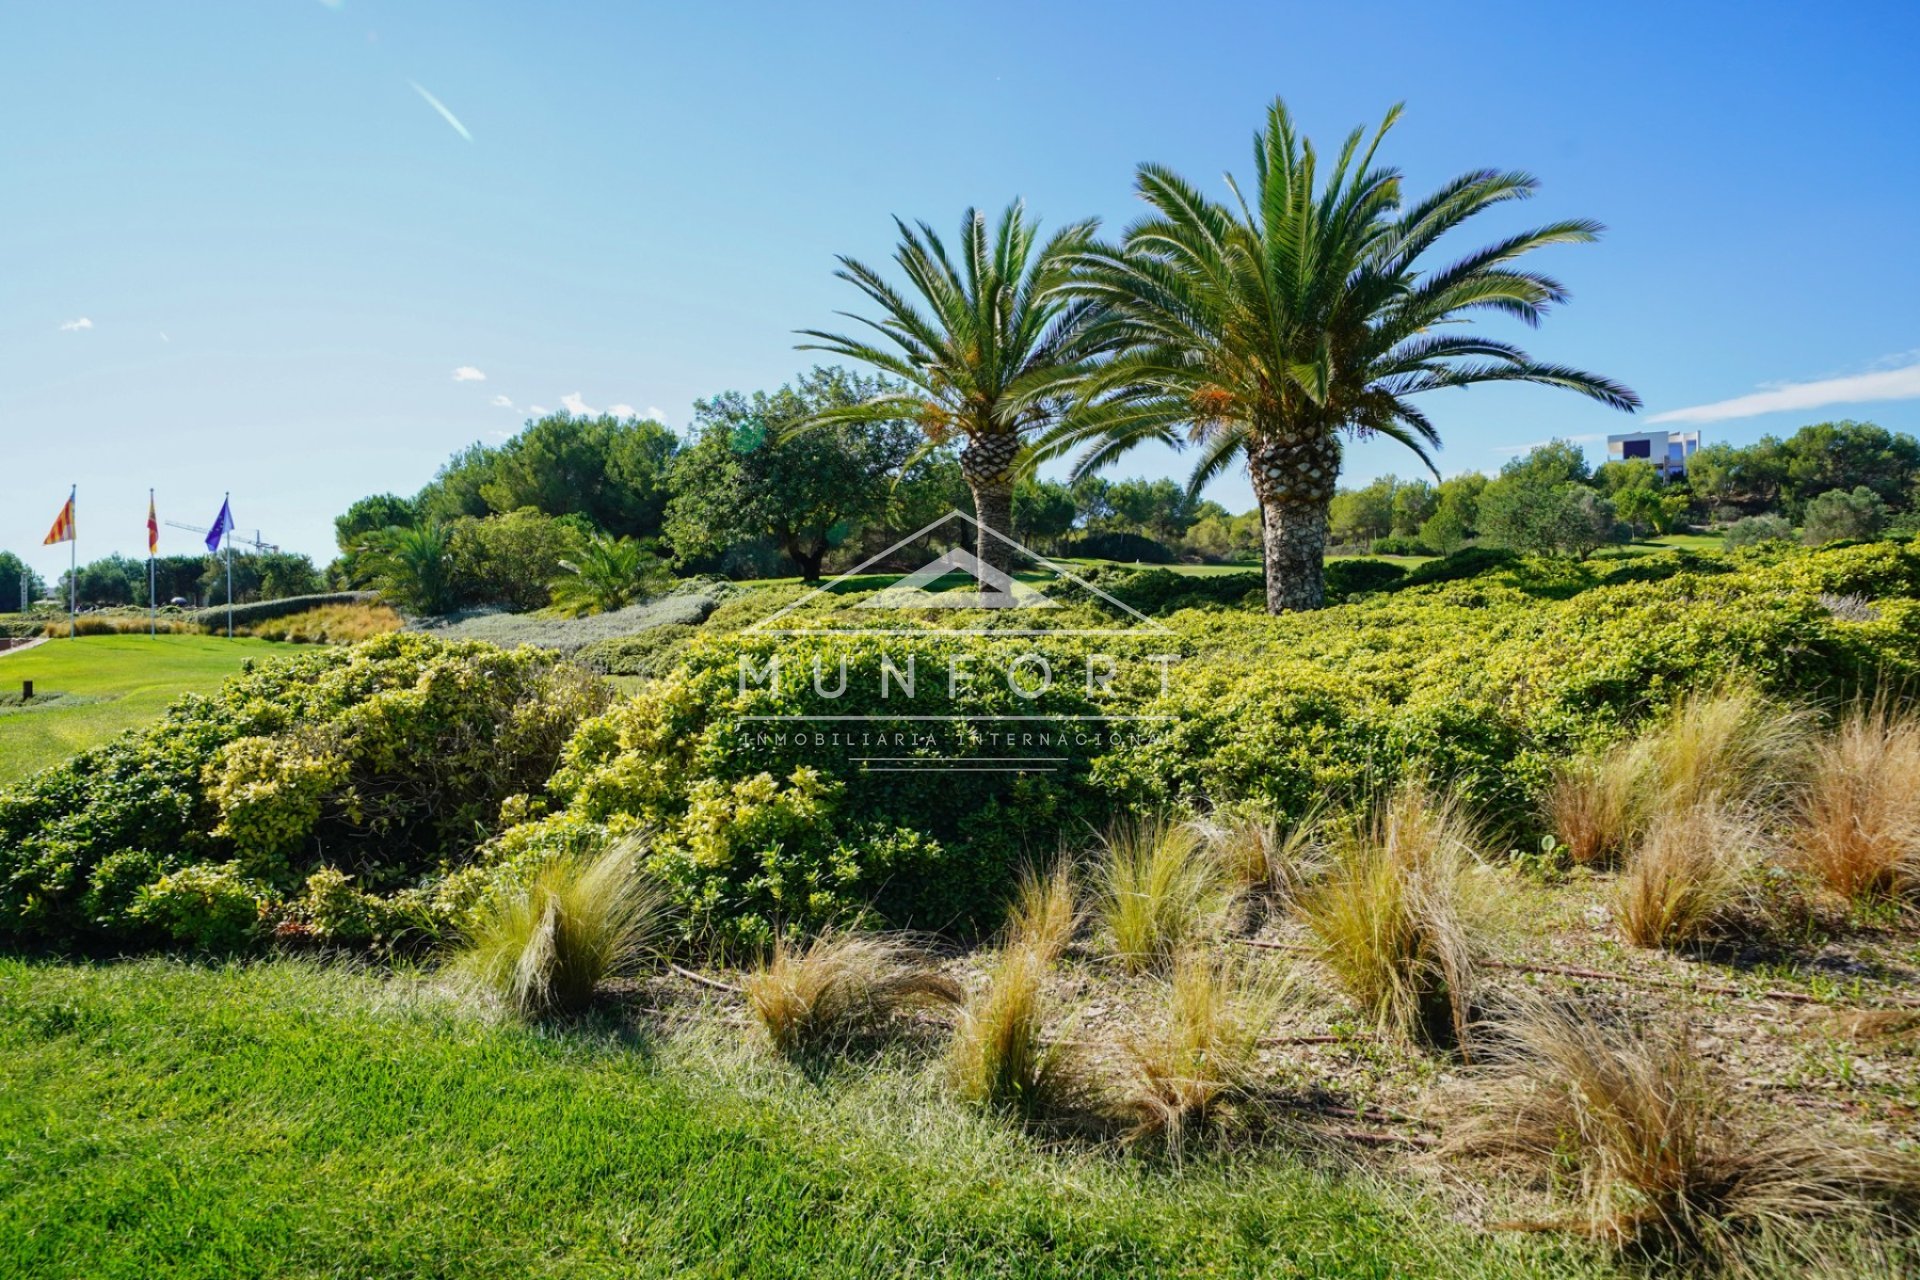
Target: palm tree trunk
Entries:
(1293, 480)
(1294, 538)
(987, 465)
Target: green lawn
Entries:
(109, 683)
(280, 1119)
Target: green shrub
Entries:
(1401, 545)
(212, 908)
(1468, 562)
(1838, 515)
(652, 652)
(1158, 592)
(392, 761)
(1754, 531)
(1356, 577)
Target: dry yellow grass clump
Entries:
(1858, 820)
(1045, 912)
(1399, 915)
(1687, 880)
(1654, 1147)
(547, 947)
(1198, 1065)
(1003, 1054)
(840, 987)
(1162, 888)
(1728, 746)
(1266, 857)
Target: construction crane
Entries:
(253, 542)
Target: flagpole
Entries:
(153, 605)
(73, 565)
(226, 508)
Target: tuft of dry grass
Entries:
(1857, 827)
(1399, 915)
(545, 948)
(1687, 880)
(1652, 1146)
(1592, 804)
(1728, 745)
(1195, 1068)
(1161, 888)
(840, 987)
(1001, 1055)
(1045, 912)
(1264, 856)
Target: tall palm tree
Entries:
(988, 347)
(1269, 330)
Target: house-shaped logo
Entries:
(1022, 599)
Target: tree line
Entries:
(1824, 483)
(753, 490)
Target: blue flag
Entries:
(222, 526)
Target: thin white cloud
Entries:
(656, 413)
(538, 410)
(622, 410)
(75, 326)
(1859, 388)
(441, 107)
(1530, 446)
(467, 373)
(501, 402)
(573, 404)
(164, 337)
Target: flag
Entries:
(222, 526)
(153, 528)
(62, 530)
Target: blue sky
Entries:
(242, 248)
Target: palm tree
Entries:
(608, 574)
(988, 347)
(412, 566)
(1270, 330)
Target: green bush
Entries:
(1401, 545)
(1355, 577)
(211, 908)
(1157, 592)
(1468, 562)
(653, 652)
(392, 761)
(1755, 531)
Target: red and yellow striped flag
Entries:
(62, 530)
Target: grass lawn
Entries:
(1671, 541)
(109, 683)
(283, 1119)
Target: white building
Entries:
(1668, 450)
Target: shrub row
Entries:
(414, 773)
